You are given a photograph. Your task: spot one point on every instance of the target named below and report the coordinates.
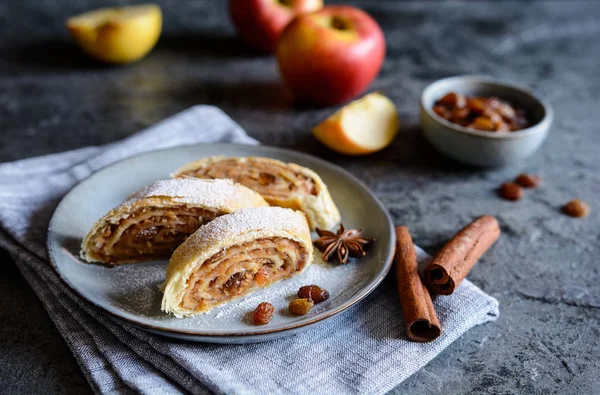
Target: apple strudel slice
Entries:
(156, 219)
(234, 255)
(281, 184)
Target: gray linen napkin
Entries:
(362, 350)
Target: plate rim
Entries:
(363, 293)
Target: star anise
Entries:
(342, 244)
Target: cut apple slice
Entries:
(362, 127)
(117, 35)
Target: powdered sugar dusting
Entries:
(256, 218)
(210, 193)
(264, 219)
(342, 281)
(136, 291)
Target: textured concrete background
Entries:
(544, 270)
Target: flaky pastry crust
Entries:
(156, 219)
(234, 255)
(281, 184)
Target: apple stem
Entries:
(339, 23)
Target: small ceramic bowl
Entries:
(480, 148)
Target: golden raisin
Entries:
(576, 208)
(262, 275)
(314, 293)
(300, 306)
(476, 105)
(511, 191)
(528, 180)
(263, 313)
(481, 123)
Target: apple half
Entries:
(362, 127)
(119, 34)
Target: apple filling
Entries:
(239, 270)
(148, 233)
(271, 180)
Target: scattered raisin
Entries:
(300, 306)
(263, 313)
(314, 293)
(511, 191)
(576, 208)
(528, 180)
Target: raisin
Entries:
(576, 208)
(262, 276)
(528, 180)
(493, 102)
(453, 99)
(511, 191)
(459, 115)
(236, 280)
(265, 179)
(502, 127)
(441, 111)
(263, 313)
(481, 123)
(476, 105)
(314, 293)
(300, 306)
(492, 115)
(507, 111)
(488, 114)
(519, 122)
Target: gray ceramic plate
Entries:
(131, 292)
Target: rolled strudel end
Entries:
(281, 184)
(234, 255)
(156, 219)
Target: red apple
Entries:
(332, 55)
(260, 22)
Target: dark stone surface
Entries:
(544, 270)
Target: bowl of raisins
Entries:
(484, 122)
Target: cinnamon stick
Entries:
(454, 261)
(420, 321)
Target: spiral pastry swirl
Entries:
(155, 220)
(281, 184)
(234, 255)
